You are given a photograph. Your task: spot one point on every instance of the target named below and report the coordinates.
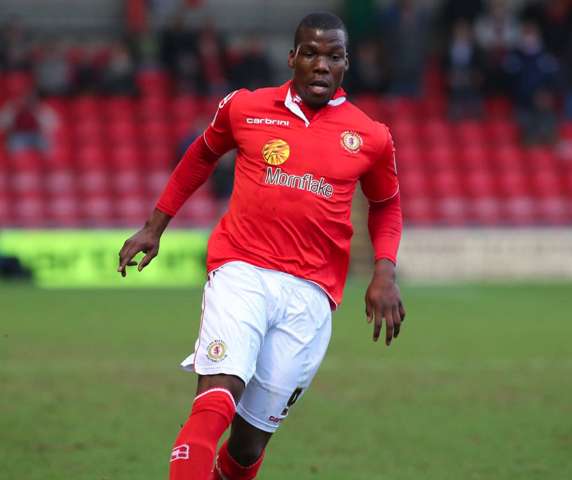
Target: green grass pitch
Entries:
(478, 386)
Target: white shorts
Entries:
(270, 329)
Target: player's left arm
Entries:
(381, 187)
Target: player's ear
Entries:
(291, 58)
(347, 62)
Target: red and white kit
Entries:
(295, 176)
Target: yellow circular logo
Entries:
(276, 151)
(351, 141)
(216, 351)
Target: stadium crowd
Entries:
(478, 48)
(457, 73)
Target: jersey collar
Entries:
(291, 100)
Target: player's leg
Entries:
(232, 328)
(289, 358)
(241, 456)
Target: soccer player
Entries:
(277, 261)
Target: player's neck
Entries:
(306, 109)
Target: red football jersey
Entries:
(294, 182)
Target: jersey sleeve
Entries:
(218, 135)
(380, 182)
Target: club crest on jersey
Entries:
(351, 141)
(216, 351)
(276, 151)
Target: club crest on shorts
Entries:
(216, 351)
(276, 151)
(351, 141)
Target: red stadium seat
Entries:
(409, 157)
(546, 183)
(566, 130)
(554, 210)
(446, 182)
(404, 131)
(507, 158)
(413, 182)
(17, 84)
(122, 132)
(433, 106)
(96, 210)
(126, 156)
(118, 109)
(87, 107)
(479, 183)
(156, 107)
(92, 172)
(520, 209)
(160, 157)
(470, 133)
(185, 107)
(27, 169)
(153, 82)
(498, 107)
(88, 130)
(419, 210)
(502, 131)
(370, 104)
(485, 210)
(541, 158)
(28, 210)
(473, 157)
(5, 213)
(156, 132)
(62, 210)
(131, 210)
(440, 157)
(452, 210)
(436, 132)
(513, 184)
(399, 108)
(201, 209)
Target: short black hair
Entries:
(320, 21)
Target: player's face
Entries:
(319, 63)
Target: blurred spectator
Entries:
(89, 69)
(251, 69)
(27, 124)
(463, 69)
(368, 73)
(567, 65)
(53, 71)
(14, 47)
(212, 61)
(176, 40)
(455, 10)
(360, 17)
(555, 20)
(406, 25)
(497, 34)
(119, 75)
(178, 53)
(534, 75)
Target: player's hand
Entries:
(145, 240)
(383, 300)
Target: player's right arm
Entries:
(193, 170)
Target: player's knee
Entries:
(229, 382)
(247, 455)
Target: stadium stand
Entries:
(110, 155)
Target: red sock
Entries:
(227, 468)
(194, 451)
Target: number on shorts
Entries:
(292, 400)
